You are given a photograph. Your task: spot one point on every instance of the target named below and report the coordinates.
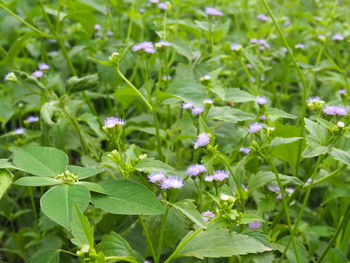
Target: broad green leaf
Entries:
(237, 95)
(6, 179)
(58, 203)
(82, 231)
(249, 218)
(275, 114)
(92, 187)
(48, 110)
(341, 156)
(217, 243)
(41, 161)
(83, 172)
(36, 181)
(317, 131)
(5, 164)
(229, 114)
(314, 149)
(150, 165)
(46, 256)
(75, 84)
(115, 245)
(187, 207)
(127, 198)
(279, 140)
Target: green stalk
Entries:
(301, 76)
(161, 235)
(149, 241)
(41, 33)
(118, 259)
(284, 201)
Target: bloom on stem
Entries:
(207, 215)
(156, 177)
(255, 225)
(244, 150)
(19, 131)
(43, 66)
(202, 140)
(213, 12)
(262, 17)
(255, 127)
(171, 182)
(145, 46)
(187, 105)
(37, 74)
(195, 169)
(335, 110)
(220, 175)
(10, 76)
(338, 37)
(196, 110)
(261, 100)
(32, 119)
(111, 122)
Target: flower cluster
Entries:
(255, 127)
(335, 110)
(219, 175)
(202, 140)
(213, 12)
(166, 182)
(195, 169)
(111, 122)
(41, 69)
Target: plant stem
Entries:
(159, 142)
(127, 259)
(149, 241)
(161, 235)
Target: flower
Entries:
(97, 27)
(308, 181)
(162, 43)
(171, 182)
(255, 225)
(290, 190)
(10, 76)
(321, 37)
(153, 1)
(37, 74)
(43, 66)
(187, 105)
(244, 150)
(262, 17)
(109, 33)
(213, 12)
(225, 197)
(262, 117)
(236, 47)
(263, 44)
(315, 103)
(145, 46)
(167, 77)
(141, 10)
(196, 110)
(335, 110)
(32, 119)
(342, 91)
(156, 177)
(207, 215)
(220, 175)
(208, 102)
(313, 99)
(202, 140)
(273, 188)
(255, 127)
(110, 122)
(163, 6)
(195, 169)
(253, 41)
(208, 178)
(338, 37)
(19, 131)
(261, 100)
(300, 46)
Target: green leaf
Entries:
(36, 181)
(249, 218)
(5, 164)
(115, 245)
(41, 161)
(75, 84)
(83, 172)
(341, 156)
(275, 114)
(82, 231)
(279, 140)
(187, 207)
(127, 198)
(46, 256)
(314, 149)
(237, 95)
(229, 114)
(150, 165)
(6, 179)
(48, 110)
(58, 203)
(217, 243)
(317, 131)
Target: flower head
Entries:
(195, 169)
(109, 33)
(187, 105)
(32, 119)
(273, 188)
(244, 150)
(262, 17)
(342, 91)
(208, 102)
(208, 178)
(255, 225)
(335, 110)
(236, 47)
(220, 175)
(300, 46)
(162, 43)
(19, 131)
(145, 46)
(261, 100)
(171, 182)
(202, 140)
(255, 127)
(207, 215)
(37, 74)
(156, 177)
(10, 76)
(163, 6)
(97, 27)
(111, 122)
(43, 66)
(196, 110)
(262, 117)
(213, 12)
(338, 37)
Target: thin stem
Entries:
(149, 241)
(35, 212)
(159, 141)
(41, 33)
(161, 235)
(127, 259)
(342, 224)
(134, 88)
(233, 176)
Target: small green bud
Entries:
(114, 58)
(11, 77)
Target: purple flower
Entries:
(196, 110)
(163, 6)
(249, 66)
(236, 47)
(213, 12)
(313, 99)
(308, 181)
(207, 215)
(342, 91)
(273, 188)
(10, 76)
(97, 27)
(321, 37)
(255, 225)
(195, 169)
(262, 117)
(43, 66)
(208, 178)
(335, 110)
(19, 131)
(145, 46)
(153, 1)
(220, 175)
(338, 37)
(287, 23)
(37, 74)
(290, 190)
(202, 140)
(110, 122)
(262, 17)
(156, 177)
(32, 119)
(254, 41)
(261, 100)
(284, 50)
(263, 44)
(279, 196)
(300, 46)
(171, 182)
(109, 33)
(167, 77)
(187, 105)
(244, 150)
(255, 127)
(208, 102)
(163, 43)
